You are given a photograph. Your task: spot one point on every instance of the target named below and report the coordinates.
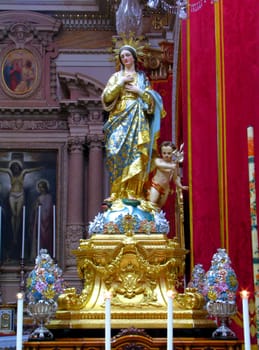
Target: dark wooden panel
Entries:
(134, 342)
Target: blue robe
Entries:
(130, 134)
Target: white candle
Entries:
(23, 230)
(39, 214)
(250, 132)
(170, 320)
(54, 231)
(107, 321)
(19, 321)
(245, 295)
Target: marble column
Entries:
(75, 182)
(75, 223)
(95, 186)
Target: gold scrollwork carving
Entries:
(190, 300)
(70, 300)
(138, 270)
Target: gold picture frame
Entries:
(6, 320)
(20, 72)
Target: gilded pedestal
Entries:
(138, 269)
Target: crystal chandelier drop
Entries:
(129, 17)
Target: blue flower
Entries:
(50, 279)
(45, 280)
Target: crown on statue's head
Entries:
(136, 43)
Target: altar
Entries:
(135, 342)
(137, 268)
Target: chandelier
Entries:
(129, 12)
(129, 17)
(179, 7)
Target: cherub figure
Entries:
(166, 169)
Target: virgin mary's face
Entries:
(127, 58)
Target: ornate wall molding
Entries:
(82, 103)
(28, 73)
(20, 124)
(76, 85)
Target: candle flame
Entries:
(19, 296)
(107, 295)
(244, 294)
(170, 294)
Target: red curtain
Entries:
(164, 88)
(220, 77)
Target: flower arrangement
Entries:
(198, 278)
(45, 281)
(220, 280)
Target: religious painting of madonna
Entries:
(27, 204)
(20, 72)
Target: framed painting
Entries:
(20, 72)
(28, 192)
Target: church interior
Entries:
(93, 93)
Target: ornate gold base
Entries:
(137, 319)
(138, 269)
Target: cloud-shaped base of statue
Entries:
(129, 215)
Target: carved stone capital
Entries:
(76, 144)
(95, 141)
